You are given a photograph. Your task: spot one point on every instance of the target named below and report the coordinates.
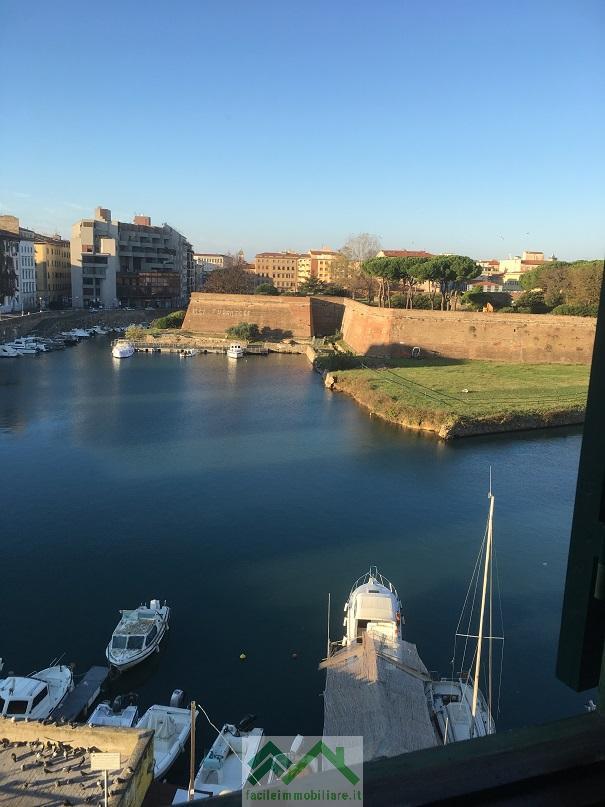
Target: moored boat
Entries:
(373, 607)
(461, 710)
(171, 726)
(122, 349)
(235, 351)
(137, 635)
(224, 769)
(35, 696)
(122, 711)
(8, 352)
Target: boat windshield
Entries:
(17, 708)
(124, 642)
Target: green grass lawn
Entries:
(449, 391)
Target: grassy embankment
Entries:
(456, 398)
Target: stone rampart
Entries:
(370, 331)
(283, 316)
(532, 338)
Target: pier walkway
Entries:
(371, 693)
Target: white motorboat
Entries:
(138, 635)
(460, 708)
(224, 768)
(123, 711)
(8, 352)
(81, 333)
(36, 696)
(235, 351)
(171, 726)
(23, 348)
(122, 349)
(188, 353)
(373, 607)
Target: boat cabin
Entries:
(136, 630)
(23, 698)
(373, 607)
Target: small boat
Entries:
(188, 353)
(224, 769)
(122, 349)
(171, 726)
(373, 607)
(23, 348)
(8, 352)
(81, 333)
(138, 635)
(235, 351)
(460, 708)
(123, 711)
(35, 696)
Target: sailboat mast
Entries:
(488, 552)
(328, 649)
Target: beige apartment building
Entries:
(53, 270)
(279, 268)
(321, 263)
(213, 259)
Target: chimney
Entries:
(145, 221)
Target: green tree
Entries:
(387, 272)
(449, 274)
(313, 286)
(531, 302)
(173, 320)
(266, 288)
(244, 330)
(8, 272)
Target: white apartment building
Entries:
(26, 274)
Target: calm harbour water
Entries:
(243, 493)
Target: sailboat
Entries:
(461, 710)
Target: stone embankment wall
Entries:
(50, 323)
(532, 338)
(286, 317)
(369, 331)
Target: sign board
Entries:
(105, 762)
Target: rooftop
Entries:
(406, 253)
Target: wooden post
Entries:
(192, 756)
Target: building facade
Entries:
(117, 263)
(321, 263)
(53, 271)
(24, 297)
(279, 268)
(9, 258)
(215, 259)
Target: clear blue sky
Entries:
(474, 127)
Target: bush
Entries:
(266, 288)
(245, 330)
(531, 302)
(569, 310)
(174, 320)
(135, 332)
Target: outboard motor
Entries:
(154, 605)
(246, 723)
(117, 705)
(177, 698)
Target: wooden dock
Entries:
(371, 693)
(82, 696)
(171, 347)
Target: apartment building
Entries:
(303, 271)
(279, 268)
(130, 264)
(215, 260)
(321, 263)
(53, 271)
(24, 297)
(9, 257)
